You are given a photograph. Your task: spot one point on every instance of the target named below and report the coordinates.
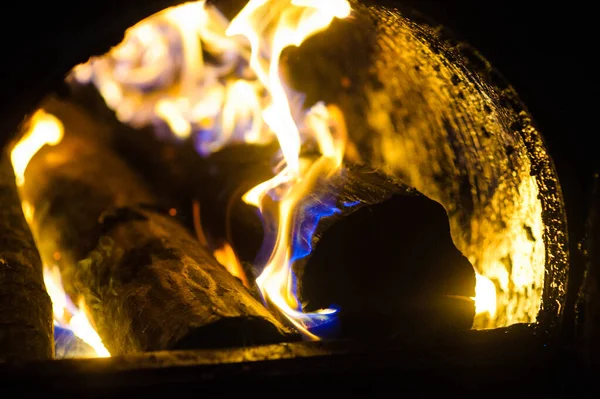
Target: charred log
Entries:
(25, 307)
(148, 283)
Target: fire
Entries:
(485, 296)
(158, 76)
(45, 129)
(189, 70)
(69, 316)
(226, 256)
(196, 76)
(274, 26)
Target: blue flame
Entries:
(67, 345)
(304, 229)
(324, 323)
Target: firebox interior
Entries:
(426, 110)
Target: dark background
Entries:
(544, 49)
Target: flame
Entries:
(485, 296)
(226, 256)
(159, 75)
(189, 70)
(270, 27)
(69, 316)
(45, 128)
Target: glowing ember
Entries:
(47, 129)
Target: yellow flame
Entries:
(294, 21)
(67, 315)
(270, 27)
(27, 211)
(485, 296)
(44, 129)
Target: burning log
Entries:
(388, 259)
(147, 283)
(25, 307)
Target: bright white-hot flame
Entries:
(159, 75)
(485, 295)
(292, 23)
(67, 315)
(44, 129)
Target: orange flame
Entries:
(226, 256)
(67, 315)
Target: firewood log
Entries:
(25, 307)
(148, 283)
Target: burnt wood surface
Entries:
(25, 308)
(148, 283)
